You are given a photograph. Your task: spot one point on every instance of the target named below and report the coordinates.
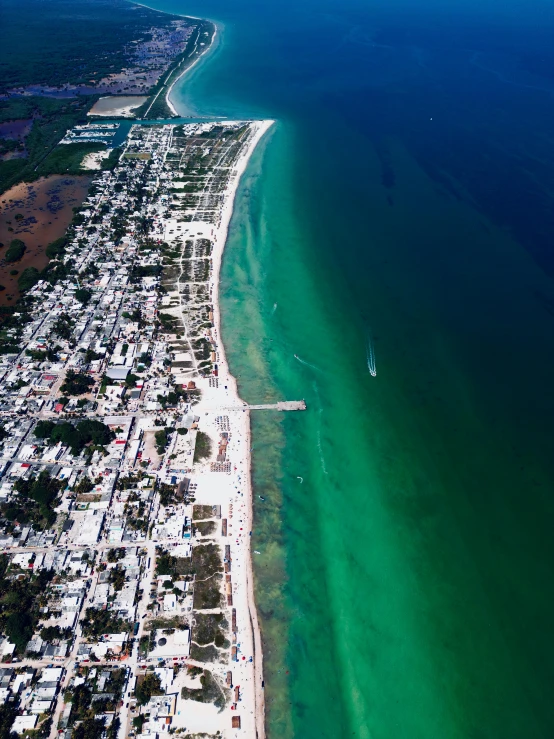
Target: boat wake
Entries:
(371, 358)
(307, 364)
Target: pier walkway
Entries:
(284, 405)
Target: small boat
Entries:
(256, 551)
(296, 356)
(260, 497)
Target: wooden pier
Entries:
(284, 405)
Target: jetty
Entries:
(284, 405)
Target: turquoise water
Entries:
(400, 209)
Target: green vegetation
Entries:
(77, 436)
(28, 279)
(131, 380)
(85, 485)
(209, 628)
(203, 447)
(90, 728)
(205, 528)
(210, 692)
(20, 603)
(205, 564)
(56, 248)
(165, 563)
(38, 496)
(168, 494)
(66, 42)
(115, 554)
(117, 577)
(138, 723)
(201, 512)
(208, 653)
(139, 271)
(8, 712)
(15, 251)
(83, 295)
(148, 686)
(162, 440)
(51, 120)
(50, 633)
(76, 383)
(97, 622)
(63, 327)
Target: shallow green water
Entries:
(405, 582)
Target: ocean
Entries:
(390, 261)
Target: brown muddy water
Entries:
(47, 209)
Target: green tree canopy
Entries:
(15, 251)
(83, 295)
(43, 429)
(76, 383)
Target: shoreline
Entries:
(190, 66)
(185, 71)
(220, 240)
(233, 491)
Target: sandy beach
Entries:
(186, 71)
(232, 490)
(259, 129)
(117, 105)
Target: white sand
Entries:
(94, 160)
(114, 105)
(233, 490)
(185, 71)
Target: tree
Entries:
(149, 686)
(91, 356)
(43, 429)
(19, 628)
(85, 485)
(49, 633)
(43, 490)
(203, 447)
(65, 433)
(117, 578)
(115, 554)
(83, 295)
(138, 723)
(161, 441)
(90, 728)
(98, 621)
(76, 383)
(8, 712)
(28, 279)
(56, 248)
(131, 380)
(95, 431)
(15, 251)
(75, 437)
(63, 327)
